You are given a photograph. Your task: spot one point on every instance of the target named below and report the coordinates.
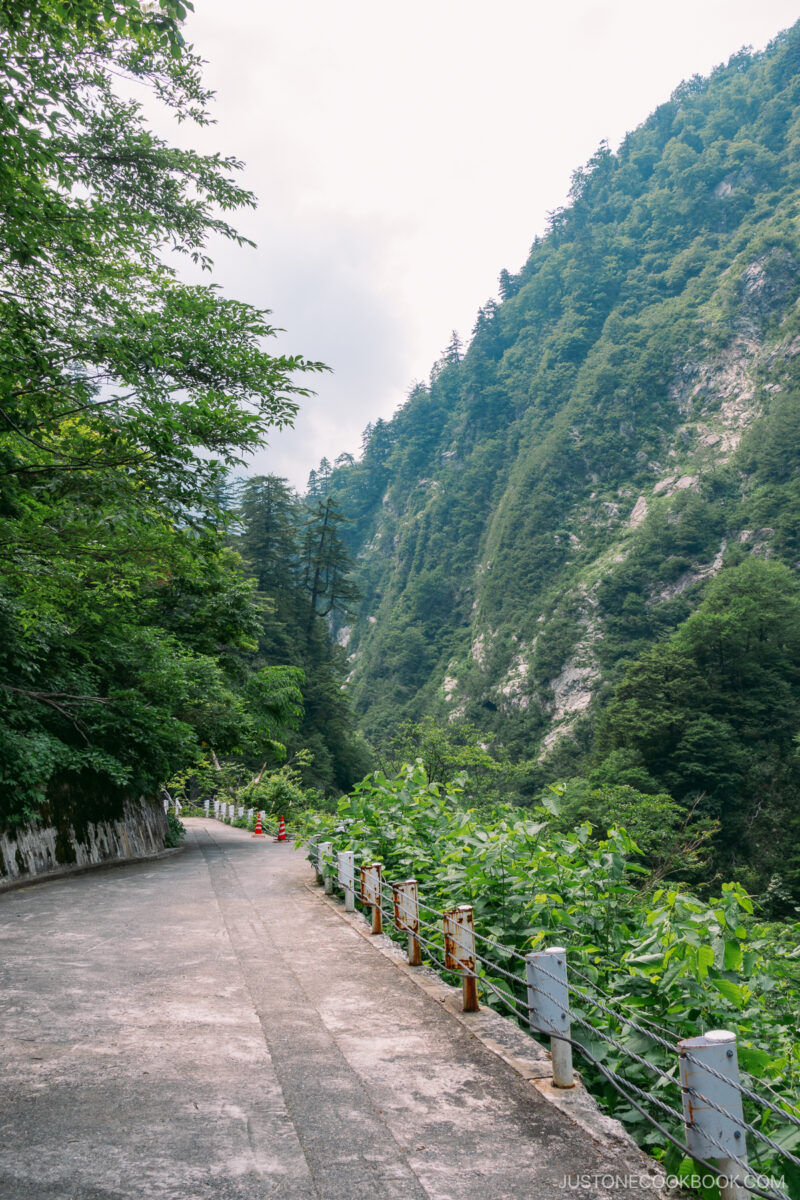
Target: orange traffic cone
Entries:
(259, 831)
(282, 831)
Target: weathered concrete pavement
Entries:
(207, 1027)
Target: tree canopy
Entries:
(126, 395)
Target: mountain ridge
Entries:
(560, 497)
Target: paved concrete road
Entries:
(206, 1028)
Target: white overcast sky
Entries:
(403, 154)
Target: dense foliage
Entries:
(127, 625)
(294, 553)
(714, 712)
(542, 516)
(660, 955)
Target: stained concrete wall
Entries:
(31, 853)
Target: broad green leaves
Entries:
(663, 956)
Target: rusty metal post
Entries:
(548, 1007)
(371, 893)
(710, 1133)
(459, 951)
(406, 917)
(324, 856)
(346, 864)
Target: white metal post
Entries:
(324, 853)
(548, 1007)
(346, 863)
(313, 857)
(711, 1132)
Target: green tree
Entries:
(326, 563)
(287, 552)
(125, 397)
(713, 713)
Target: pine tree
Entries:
(268, 509)
(326, 563)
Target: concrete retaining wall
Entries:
(40, 851)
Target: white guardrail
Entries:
(537, 990)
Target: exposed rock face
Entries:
(513, 689)
(572, 690)
(42, 850)
(639, 513)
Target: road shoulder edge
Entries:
(14, 885)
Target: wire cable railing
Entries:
(506, 984)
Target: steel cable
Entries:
(621, 1018)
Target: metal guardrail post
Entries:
(313, 857)
(548, 1007)
(459, 951)
(371, 893)
(710, 1133)
(406, 917)
(324, 856)
(346, 875)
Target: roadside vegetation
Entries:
(640, 944)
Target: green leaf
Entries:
(752, 1059)
(705, 959)
(731, 991)
(733, 956)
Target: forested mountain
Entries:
(582, 534)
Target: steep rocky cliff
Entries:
(623, 426)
